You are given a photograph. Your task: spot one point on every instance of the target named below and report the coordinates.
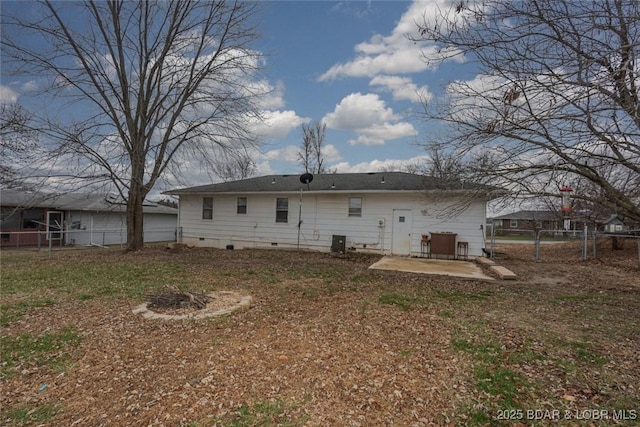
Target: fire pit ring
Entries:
(231, 301)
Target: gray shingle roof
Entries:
(372, 181)
(532, 215)
(74, 202)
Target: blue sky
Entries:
(348, 64)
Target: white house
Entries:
(33, 218)
(383, 212)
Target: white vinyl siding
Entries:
(322, 216)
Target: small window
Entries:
(282, 209)
(242, 205)
(513, 223)
(355, 206)
(401, 219)
(207, 208)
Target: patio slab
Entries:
(443, 267)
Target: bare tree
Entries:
(139, 88)
(234, 165)
(311, 156)
(556, 101)
(18, 143)
(444, 165)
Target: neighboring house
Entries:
(614, 224)
(29, 219)
(529, 220)
(533, 220)
(385, 212)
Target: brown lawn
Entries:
(327, 342)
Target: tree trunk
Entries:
(135, 215)
(135, 223)
(617, 243)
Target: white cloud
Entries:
(29, 86)
(8, 95)
(273, 96)
(390, 61)
(395, 53)
(380, 165)
(368, 116)
(290, 154)
(278, 124)
(285, 154)
(378, 134)
(330, 153)
(357, 111)
(402, 88)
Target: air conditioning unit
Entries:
(339, 244)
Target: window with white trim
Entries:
(282, 209)
(242, 205)
(207, 208)
(355, 206)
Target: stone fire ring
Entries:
(233, 301)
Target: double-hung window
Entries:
(282, 209)
(355, 206)
(207, 208)
(242, 205)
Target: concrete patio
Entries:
(442, 267)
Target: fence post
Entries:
(595, 244)
(584, 245)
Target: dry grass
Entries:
(327, 342)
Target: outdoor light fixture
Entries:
(333, 185)
(273, 181)
(382, 180)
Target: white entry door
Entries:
(401, 232)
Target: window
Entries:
(355, 206)
(513, 223)
(282, 209)
(9, 218)
(242, 205)
(207, 208)
(33, 218)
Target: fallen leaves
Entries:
(322, 347)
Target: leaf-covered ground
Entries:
(327, 342)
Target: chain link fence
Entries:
(58, 239)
